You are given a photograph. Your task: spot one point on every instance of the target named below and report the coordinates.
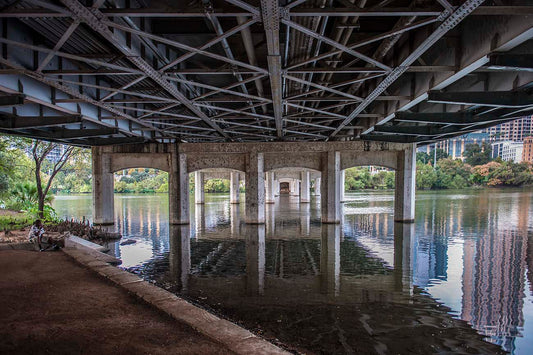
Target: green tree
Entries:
(425, 176)
(477, 155)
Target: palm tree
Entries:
(27, 197)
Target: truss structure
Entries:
(96, 72)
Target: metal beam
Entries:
(10, 121)
(11, 100)
(92, 19)
(483, 98)
(445, 118)
(73, 133)
(514, 62)
(90, 142)
(451, 21)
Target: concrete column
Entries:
(330, 259)
(341, 185)
(180, 255)
(304, 194)
(178, 190)
(317, 186)
(234, 187)
(404, 234)
(199, 220)
(103, 188)
(276, 187)
(330, 190)
(199, 187)
(255, 189)
(269, 185)
(255, 259)
(270, 220)
(404, 195)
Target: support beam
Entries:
(255, 188)
(404, 194)
(342, 185)
(199, 187)
(305, 187)
(9, 121)
(103, 186)
(178, 190)
(73, 133)
(91, 142)
(330, 203)
(271, 23)
(511, 62)
(483, 98)
(447, 118)
(234, 187)
(11, 100)
(269, 186)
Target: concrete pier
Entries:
(342, 185)
(198, 187)
(305, 188)
(234, 187)
(263, 165)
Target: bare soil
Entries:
(51, 305)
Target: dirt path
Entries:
(51, 305)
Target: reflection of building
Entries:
(527, 154)
(508, 151)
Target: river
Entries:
(336, 289)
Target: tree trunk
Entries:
(41, 206)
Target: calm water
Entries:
(366, 286)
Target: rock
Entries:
(128, 241)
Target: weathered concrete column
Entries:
(330, 259)
(269, 185)
(304, 194)
(404, 195)
(199, 187)
(342, 186)
(276, 187)
(330, 189)
(404, 235)
(255, 189)
(180, 255)
(317, 186)
(295, 188)
(234, 187)
(178, 190)
(103, 188)
(255, 259)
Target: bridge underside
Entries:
(100, 72)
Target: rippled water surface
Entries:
(368, 285)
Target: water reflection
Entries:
(364, 286)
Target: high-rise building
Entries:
(508, 151)
(527, 154)
(514, 131)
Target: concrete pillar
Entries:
(255, 259)
(304, 194)
(404, 195)
(317, 186)
(276, 187)
(330, 190)
(255, 189)
(199, 187)
(269, 186)
(341, 185)
(270, 220)
(199, 220)
(404, 234)
(234, 187)
(178, 190)
(103, 188)
(330, 259)
(180, 255)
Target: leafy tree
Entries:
(425, 176)
(477, 155)
(422, 157)
(40, 150)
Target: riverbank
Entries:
(53, 305)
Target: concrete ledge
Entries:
(89, 251)
(74, 241)
(230, 335)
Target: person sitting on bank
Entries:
(36, 235)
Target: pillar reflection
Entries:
(255, 259)
(330, 259)
(180, 255)
(404, 234)
(305, 219)
(270, 215)
(235, 219)
(199, 219)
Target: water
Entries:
(368, 285)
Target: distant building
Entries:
(508, 151)
(527, 154)
(456, 146)
(514, 131)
